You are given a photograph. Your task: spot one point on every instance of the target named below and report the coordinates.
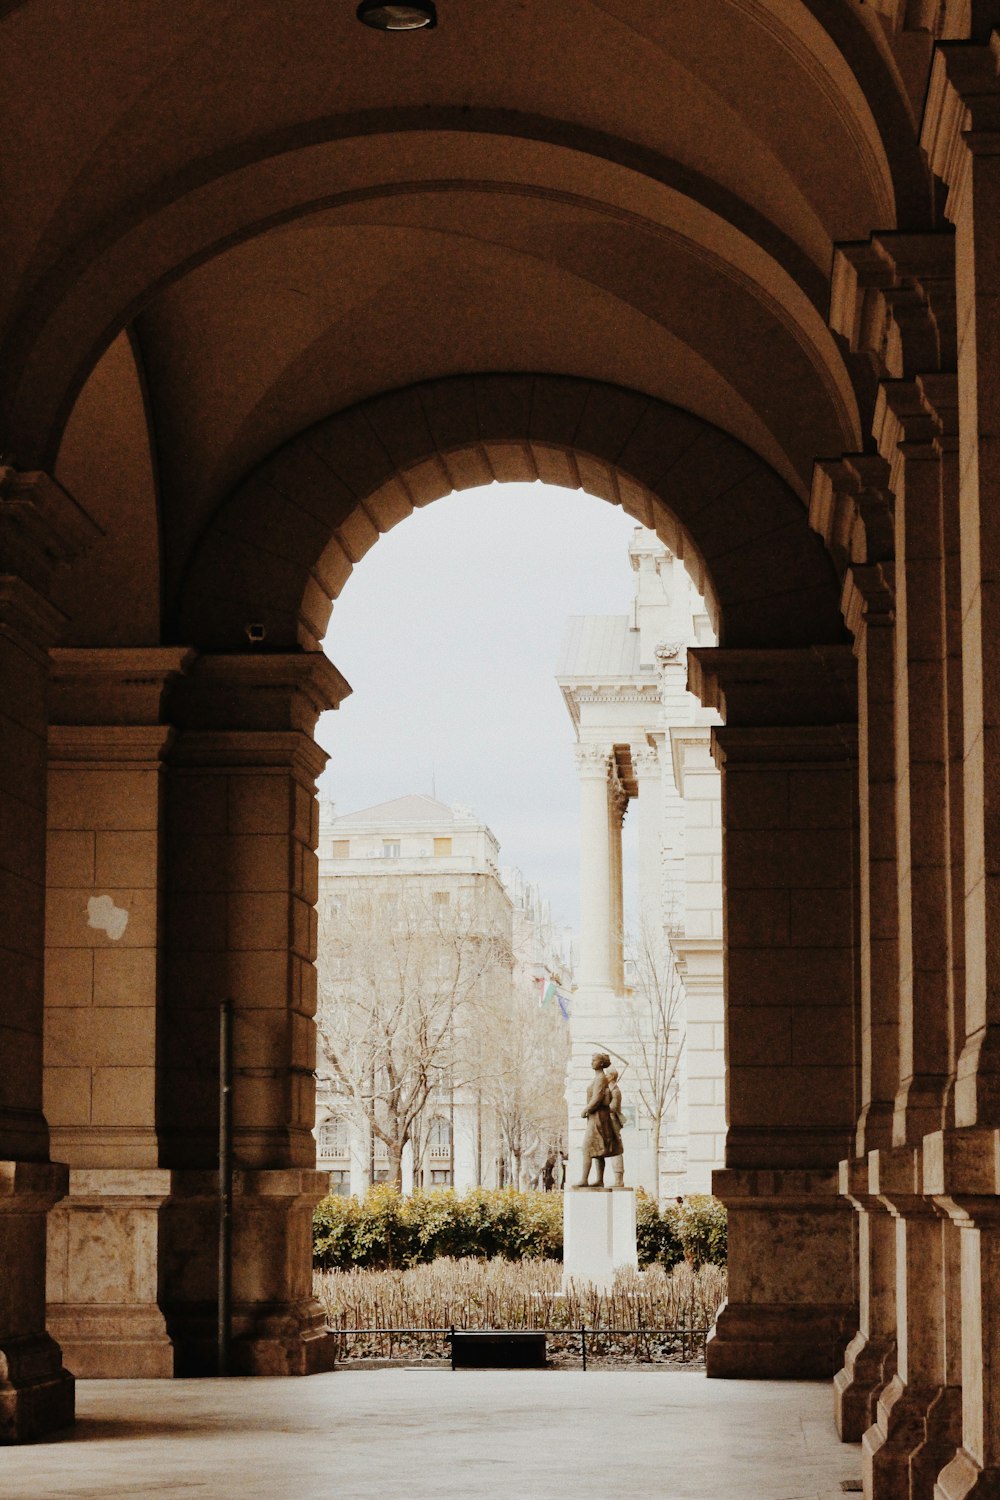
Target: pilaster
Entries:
(242, 883)
(103, 1002)
(787, 754)
(41, 529)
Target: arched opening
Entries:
(239, 829)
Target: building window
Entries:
(381, 1174)
(442, 898)
(341, 849)
(340, 1183)
(390, 848)
(442, 848)
(441, 1177)
(334, 1139)
(439, 1137)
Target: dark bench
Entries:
(523, 1349)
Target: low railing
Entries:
(686, 1344)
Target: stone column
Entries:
(697, 946)
(787, 754)
(870, 1358)
(599, 974)
(40, 528)
(597, 939)
(242, 886)
(649, 810)
(961, 136)
(103, 994)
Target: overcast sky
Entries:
(449, 631)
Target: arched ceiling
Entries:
(282, 546)
(292, 213)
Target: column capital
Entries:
(962, 113)
(41, 526)
(256, 693)
(851, 506)
(893, 299)
(593, 760)
(645, 760)
(869, 596)
(810, 685)
(116, 685)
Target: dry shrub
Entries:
(518, 1294)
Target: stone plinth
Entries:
(103, 1272)
(791, 1308)
(598, 1235)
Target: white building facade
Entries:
(424, 853)
(643, 747)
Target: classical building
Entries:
(644, 743)
(273, 284)
(418, 857)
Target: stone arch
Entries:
(283, 544)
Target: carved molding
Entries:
(591, 760)
(645, 760)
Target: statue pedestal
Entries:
(598, 1235)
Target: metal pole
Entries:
(583, 1345)
(224, 1328)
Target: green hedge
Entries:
(384, 1229)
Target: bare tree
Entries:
(525, 1048)
(399, 969)
(654, 1013)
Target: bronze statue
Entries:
(602, 1138)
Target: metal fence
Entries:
(649, 1346)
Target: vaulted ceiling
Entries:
(227, 220)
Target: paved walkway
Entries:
(443, 1435)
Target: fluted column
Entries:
(40, 528)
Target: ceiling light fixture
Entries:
(383, 15)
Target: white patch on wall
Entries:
(105, 916)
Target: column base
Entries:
(791, 1309)
(37, 1395)
(36, 1392)
(103, 1274)
(964, 1477)
(289, 1340)
(914, 1437)
(868, 1367)
(278, 1327)
(762, 1342)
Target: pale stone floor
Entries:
(409, 1434)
